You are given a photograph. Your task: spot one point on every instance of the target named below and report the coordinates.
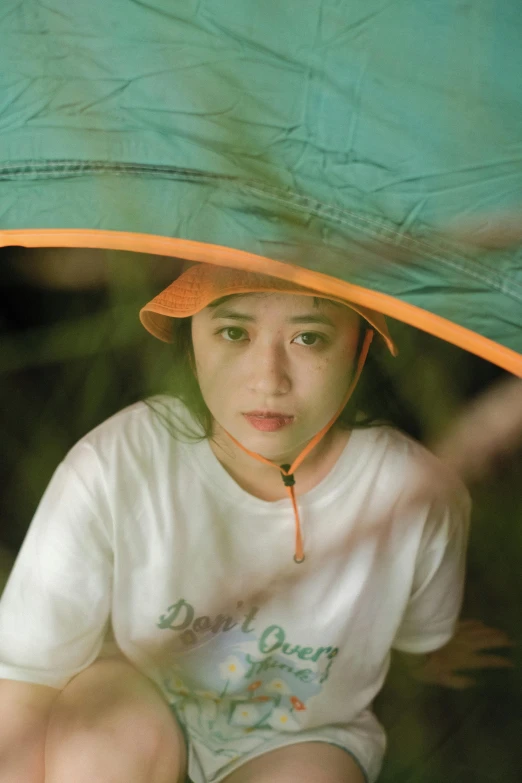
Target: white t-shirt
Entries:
(197, 577)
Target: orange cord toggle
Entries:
(287, 471)
(288, 478)
(289, 482)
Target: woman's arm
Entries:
(56, 604)
(24, 713)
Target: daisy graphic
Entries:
(232, 669)
(278, 686)
(282, 720)
(244, 715)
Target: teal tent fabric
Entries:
(339, 135)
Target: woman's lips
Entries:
(268, 422)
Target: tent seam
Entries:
(442, 252)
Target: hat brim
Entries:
(201, 284)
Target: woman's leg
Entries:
(110, 724)
(306, 762)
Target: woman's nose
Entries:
(268, 370)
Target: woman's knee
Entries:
(109, 723)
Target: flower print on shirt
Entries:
(176, 687)
(297, 704)
(282, 720)
(245, 714)
(209, 711)
(232, 669)
(278, 686)
(211, 695)
(234, 695)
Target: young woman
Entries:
(256, 557)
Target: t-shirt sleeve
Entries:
(55, 608)
(438, 584)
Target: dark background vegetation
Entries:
(73, 352)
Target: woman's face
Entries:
(274, 368)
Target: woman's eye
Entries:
(233, 334)
(309, 338)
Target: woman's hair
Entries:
(372, 403)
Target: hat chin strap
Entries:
(287, 471)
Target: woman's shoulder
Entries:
(406, 462)
(135, 433)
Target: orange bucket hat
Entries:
(201, 284)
